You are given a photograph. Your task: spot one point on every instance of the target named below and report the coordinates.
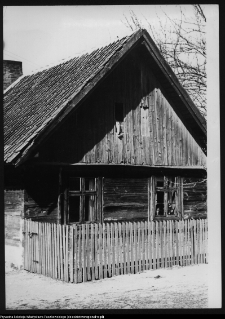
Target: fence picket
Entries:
(153, 245)
(116, 250)
(75, 257)
(105, 251)
(146, 246)
(124, 250)
(92, 252)
(109, 251)
(96, 250)
(177, 243)
(143, 245)
(87, 252)
(120, 261)
(161, 244)
(128, 249)
(100, 252)
(131, 247)
(135, 248)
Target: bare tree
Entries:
(183, 45)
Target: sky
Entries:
(41, 36)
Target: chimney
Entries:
(12, 70)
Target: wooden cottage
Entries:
(108, 136)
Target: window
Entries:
(119, 118)
(82, 200)
(167, 201)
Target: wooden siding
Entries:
(195, 198)
(125, 199)
(153, 135)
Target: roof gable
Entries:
(36, 104)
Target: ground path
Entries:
(179, 287)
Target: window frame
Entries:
(82, 193)
(119, 125)
(176, 203)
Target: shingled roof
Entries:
(36, 103)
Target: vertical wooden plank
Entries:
(79, 275)
(75, 257)
(120, 251)
(59, 251)
(113, 249)
(43, 248)
(96, 253)
(195, 242)
(170, 244)
(68, 252)
(173, 243)
(46, 249)
(181, 228)
(71, 253)
(100, 252)
(124, 248)
(153, 245)
(109, 251)
(143, 245)
(206, 241)
(188, 243)
(128, 248)
(131, 247)
(116, 250)
(157, 243)
(161, 244)
(151, 140)
(139, 247)
(203, 246)
(28, 245)
(88, 251)
(177, 243)
(25, 244)
(92, 253)
(135, 249)
(191, 241)
(64, 252)
(105, 251)
(83, 255)
(52, 251)
(165, 242)
(150, 244)
(146, 246)
(200, 241)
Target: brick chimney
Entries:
(12, 70)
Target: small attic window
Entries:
(119, 119)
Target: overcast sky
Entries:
(40, 36)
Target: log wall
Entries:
(125, 199)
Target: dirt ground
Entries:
(177, 287)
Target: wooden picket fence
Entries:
(78, 253)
